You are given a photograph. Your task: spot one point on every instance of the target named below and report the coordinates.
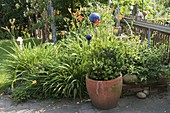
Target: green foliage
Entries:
(48, 71)
(153, 63)
(5, 49)
(106, 58)
(5, 80)
(57, 71)
(5, 44)
(69, 80)
(154, 10)
(84, 27)
(13, 9)
(149, 64)
(13, 31)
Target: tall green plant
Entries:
(48, 71)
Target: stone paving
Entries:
(157, 103)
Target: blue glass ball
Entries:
(88, 37)
(93, 17)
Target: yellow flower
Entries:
(115, 30)
(56, 12)
(63, 32)
(34, 82)
(12, 21)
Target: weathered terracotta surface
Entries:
(104, 94)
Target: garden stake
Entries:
(20, 41)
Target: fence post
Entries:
(149, 36)
(53, 28)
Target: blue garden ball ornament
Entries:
(93, 17)
(88, 37)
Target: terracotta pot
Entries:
(104, 94)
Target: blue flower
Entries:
(88, 37)
(93, 17)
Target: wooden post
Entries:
(149, 37)
(51, 10)
(45, 34)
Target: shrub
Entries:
(148, 63)
(153, 63)
(106, 58)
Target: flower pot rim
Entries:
(104, 80)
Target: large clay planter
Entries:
(104, 94)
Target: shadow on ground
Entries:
(156, 103)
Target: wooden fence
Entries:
(156, 33)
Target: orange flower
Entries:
(121, 17)
(79, 18)
(96, 22)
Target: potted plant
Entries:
(104, 79)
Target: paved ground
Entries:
(157, 103)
